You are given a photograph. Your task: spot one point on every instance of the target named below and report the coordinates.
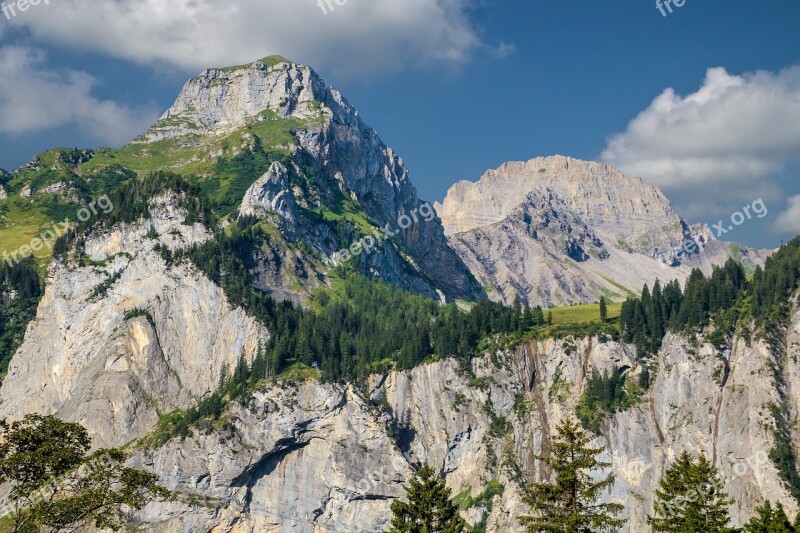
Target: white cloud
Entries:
(789, 220)
(358, 37)
(727, 140)
(34, 99)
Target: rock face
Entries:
(222, 100)
(315, 457)
(342, 150)
(119, 343)
(3, 194)
(559, 231)
(272, 193)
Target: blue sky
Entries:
(456, 89)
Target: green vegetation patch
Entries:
(605, 394)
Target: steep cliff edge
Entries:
(123, 337)
(336, 459)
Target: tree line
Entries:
(690, 497)
(726, 298)
(368, 326)
(20, 292)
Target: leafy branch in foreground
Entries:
(56, 486)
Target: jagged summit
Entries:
(277, 110)
(221, 100)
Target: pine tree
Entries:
(569, 505)
(770, 520)
(603, 309)
(691, 498)
(429, 509)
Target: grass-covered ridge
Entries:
(57, 183)
(269, 61)
(47, 192)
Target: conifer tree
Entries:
(603, 309)
(770, 520)
(428, 509)
(569, 505)
(690, 498)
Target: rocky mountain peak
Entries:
(280, 111)
(220, 100)
(600, 194)
(557, 230)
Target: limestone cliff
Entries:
(125, 337)
(313, 457)
(122, 336)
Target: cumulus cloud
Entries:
(727, 139)
(34, 99)
(789, 220)
(357, 37)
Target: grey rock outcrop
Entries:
(117, 345)
(319, 457)
(272, 193)
(223, 100)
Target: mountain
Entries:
(228, 128)
(342, 166)
(204, 317)
(560, 231)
